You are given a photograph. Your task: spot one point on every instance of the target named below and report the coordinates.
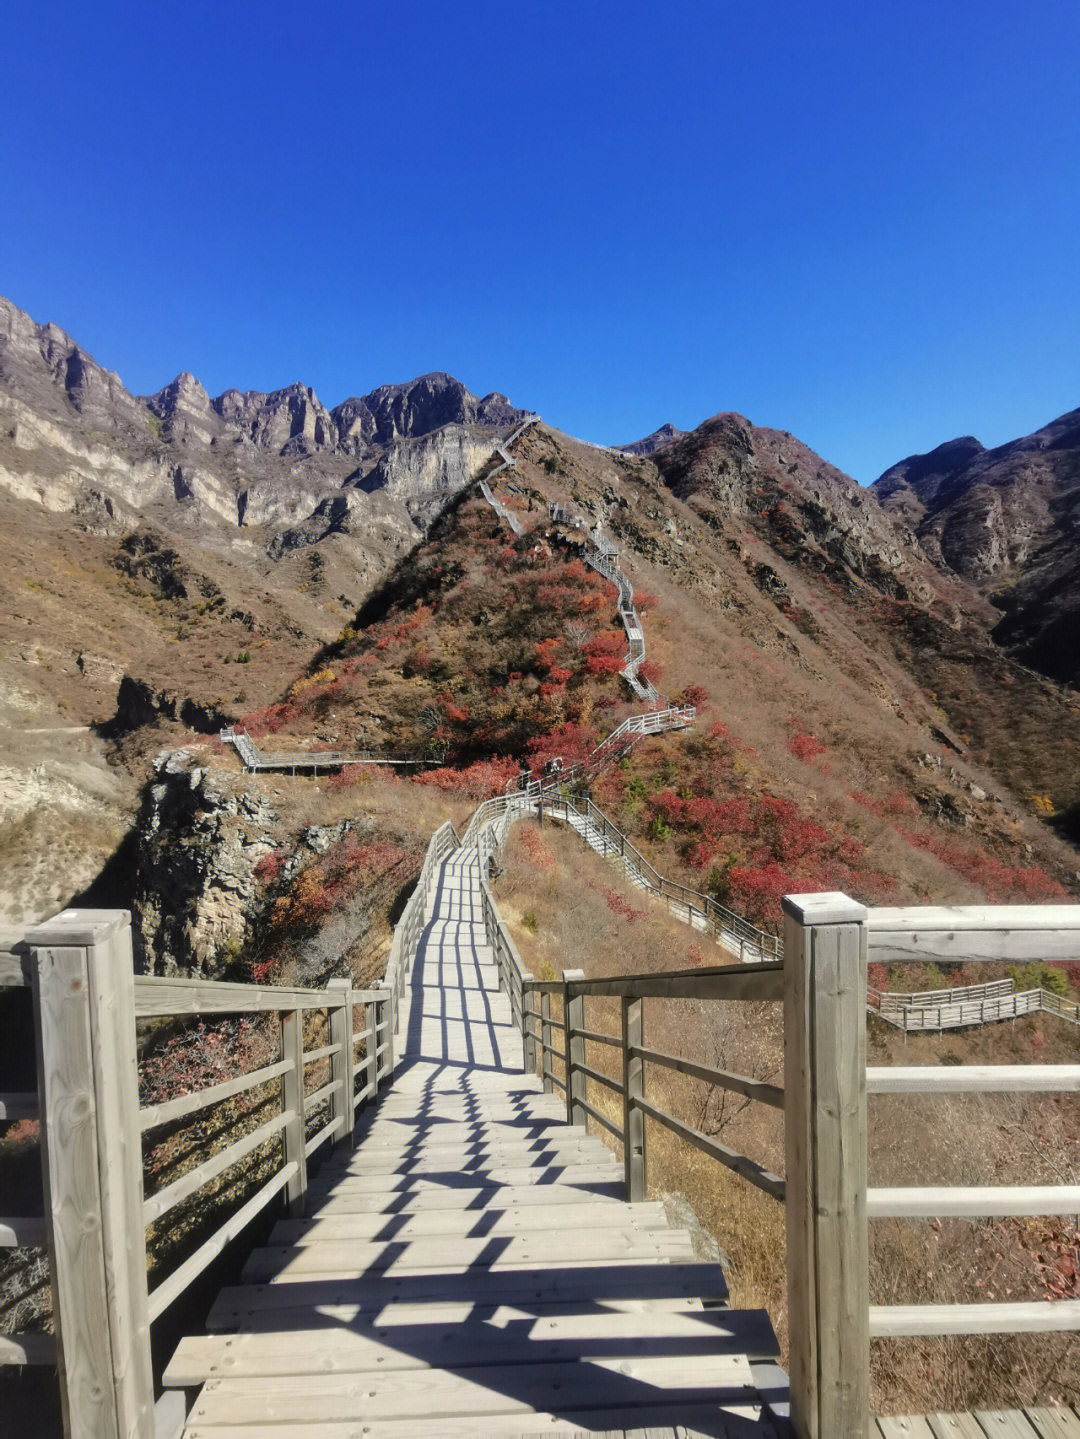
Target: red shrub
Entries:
(269, 867)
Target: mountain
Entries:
(328, 576)
(1008, 521)
(665, 435)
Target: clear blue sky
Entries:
(860, 223)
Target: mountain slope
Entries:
(1007, 520)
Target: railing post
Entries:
(825, 1126)
(341, 1064)
(371, 1058)
(292, 1102)
(528, 1018)
(388, 1004)
(633, 1088)
(545, 1035)
(84, 1002)
(574, 1019)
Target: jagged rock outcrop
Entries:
(72, 438)
(199, 836)
(198, 840)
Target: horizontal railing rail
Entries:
(256, 760)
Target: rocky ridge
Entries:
(1008, 521)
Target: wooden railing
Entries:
(257, 761)
(410, 926)
(743, 939)
(87, 1002)
(829, 940)
(966, 1005)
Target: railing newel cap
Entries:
(77, 927)
(828, 907)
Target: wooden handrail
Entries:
(87, 1000)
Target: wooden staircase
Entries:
(471, 1267)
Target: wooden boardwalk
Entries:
(471, 1267)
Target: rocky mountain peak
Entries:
(658, 440)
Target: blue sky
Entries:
(857, 223)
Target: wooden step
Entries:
(641, 1422)
(590, 1284)
(328, 1223)
(539, 1249)
(569, 1391)
(580, 1175)
(419, 1338)
(439, 1158)
(472, 1197)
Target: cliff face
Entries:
(1007, 520)
(72, 432)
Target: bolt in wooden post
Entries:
(825, 1125)
(292, 1103)
(574, 1019)
(633, 1088)
(341, 1064)
(84, 1002)
(545, 1035)
(528, 1017)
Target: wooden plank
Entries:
(328, 1223)
(574, 1046)
(414, 1339)
(570, 1389)
(973, 1079)
(757, 1089)
(825, 1126)
(169, 1110)
(1053, 1423)
(186, 1273)
(354, 1259)
(159, 997)
(664, 1421)
(908, 1426)
(729, 982)
(974, 1201)
(1042, 1316)
(955, 1426)
(85, 1027)
(1005, 1424)
(632, 1034)
(292, 1107)
(594, 1171)
(749, 1169)
(473, 1197)
(593, 1284)
(158, 1204)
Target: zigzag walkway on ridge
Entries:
(471, 1268)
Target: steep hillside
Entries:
(1008, 520)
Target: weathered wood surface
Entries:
(824, 1085)
(1034, 1423)
(472, 1266)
